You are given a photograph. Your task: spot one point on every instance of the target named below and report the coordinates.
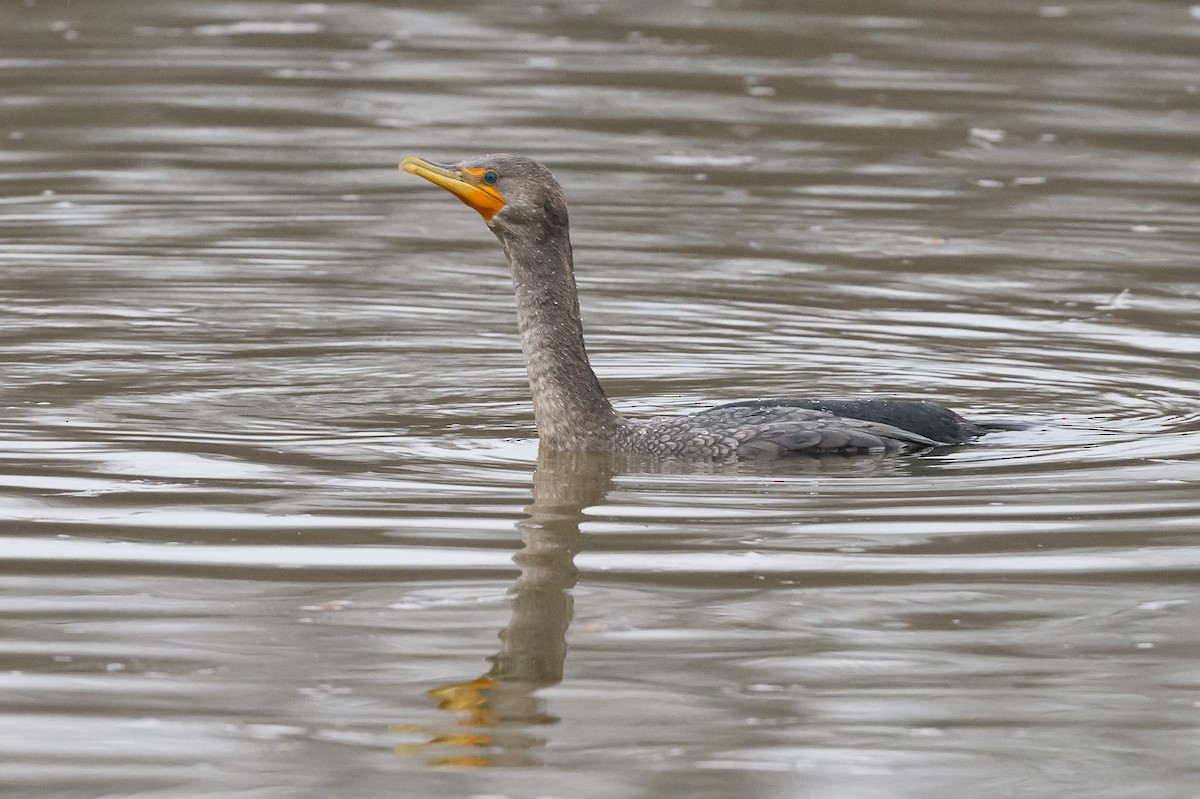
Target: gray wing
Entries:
(772, 431)
(916, 416)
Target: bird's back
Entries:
(770, 429)
(935, 422)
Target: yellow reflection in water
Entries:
(502, 705)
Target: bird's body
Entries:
(766, 429)
(524, 206)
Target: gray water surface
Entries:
(274, 522)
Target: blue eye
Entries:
(490, 177)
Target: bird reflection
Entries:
(497, 710)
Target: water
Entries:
(267, 446)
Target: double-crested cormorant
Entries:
(524, 206)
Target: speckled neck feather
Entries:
(569, 404)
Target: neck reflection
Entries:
(497, 709)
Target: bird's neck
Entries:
(569, 404)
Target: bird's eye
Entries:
(490, 177)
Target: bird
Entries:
(525, 207)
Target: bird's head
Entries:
(513, 194)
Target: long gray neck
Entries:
(569, 404)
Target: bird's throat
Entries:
(570, 407)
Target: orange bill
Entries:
(465, 184)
